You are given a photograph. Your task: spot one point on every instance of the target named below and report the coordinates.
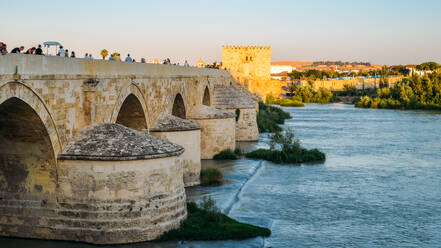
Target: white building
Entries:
(276, 69)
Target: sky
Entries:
(376, 31)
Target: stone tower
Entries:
(251, 66)
(247, 61)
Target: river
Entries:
(379, 187)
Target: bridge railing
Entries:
(24, 64)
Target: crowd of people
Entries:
(62, 52)
(33, 50)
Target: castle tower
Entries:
(251, 66)
(253, 62)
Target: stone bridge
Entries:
(100, 151)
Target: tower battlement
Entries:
(246, 47)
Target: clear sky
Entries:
(378, 31)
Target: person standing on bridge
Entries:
(62, 52)
(128, 58)
(17, 49)
(39, 51)
(30, 51)
(3, 49)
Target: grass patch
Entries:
(211, 177)
(269, 118)
(206, 222)
(225, 154)
(285, 148)
(286, 102)
(277, 156)
(290, 103)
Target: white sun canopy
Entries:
(51, 43)
(48, 44)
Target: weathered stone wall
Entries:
(103, 202)
(246, 124)
(93, 201)
(191, 158)
(74, 93)
(216, 135)
(247, 61)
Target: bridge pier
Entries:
(218, 129)
(186, 134)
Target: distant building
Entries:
(275, 69)
(201, 63)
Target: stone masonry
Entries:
(69, 171)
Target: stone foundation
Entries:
(246, 124)
(103, 202)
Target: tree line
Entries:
(340, 63)
(314, 74)
(413, 92)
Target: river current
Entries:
(379, 187)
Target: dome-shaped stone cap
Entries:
(200, 112)
(230, 98)
(116, 142)
(168, 123)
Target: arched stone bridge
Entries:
(52, 109)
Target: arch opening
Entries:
(131, 114)
(27, 160)
(179, 107)
(206, 97)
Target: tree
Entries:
(428, 66)
(104, 53)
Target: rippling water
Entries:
(379, 187)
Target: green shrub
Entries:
(277, 156)
(211, 177)
(238, 151)
(269, 118)
(205, 222)
(290, 150)
(225, 154)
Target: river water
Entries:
(379, 187)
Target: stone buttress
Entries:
(218, 129)
(237, 102)
(186, 134)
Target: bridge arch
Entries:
(130, 109)
(25, 93)
(206, 99)
(29, 144)
(178, 108)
